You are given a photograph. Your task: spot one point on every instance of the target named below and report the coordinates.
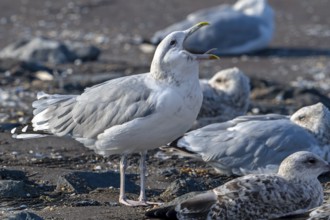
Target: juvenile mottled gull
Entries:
(225, 96)
(244, 27)
(131, 114)
(258, 143)
(294, 189)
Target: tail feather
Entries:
(26, 132)
(52, 115)
(28, 136)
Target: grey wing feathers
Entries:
(219, 108)
(224, 20)
(258, 142)
(45, 100)
(259, 118)
(215, 130)
(244, 143)
(230, 22)
(191, 19)
(52, 113)
(98, 108)
(113, 103)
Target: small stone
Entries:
(12, 189)
(167, 172)
(44, 76)
(180, 187)
(86, 203)
(78, 62)
(147, 48)
(112, 204)
(98, 167)
(41, 49)
(85, 182)
(12, 174)
(24, 215)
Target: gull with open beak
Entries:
(131, 114)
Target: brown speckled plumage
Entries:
(294, 189)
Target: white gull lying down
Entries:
(225, 96)
(131, 114)
(249, 144)
(245, 27)
(294, 189)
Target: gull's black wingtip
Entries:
(174, 143)
(162, 213)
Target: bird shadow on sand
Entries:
(84, 182)
(291, 52)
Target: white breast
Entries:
(176, 110)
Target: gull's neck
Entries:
(296, 177)
(187, 74)
(323, 135)
(321, 132)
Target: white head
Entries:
(231, 81)
(171, 61)
(303, 165)
(315, 118)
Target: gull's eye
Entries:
(311, 161)
(220, 80)
(173, 43)
(301, 117)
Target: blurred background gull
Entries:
(225, 96)
(244, 27)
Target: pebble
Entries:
(24, 215)
(44, 50)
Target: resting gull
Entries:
(294, 189)
(259, 143)
(225, 96)
(245, 27)
(131, 114)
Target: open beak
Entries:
(327, 168)
(206, 55)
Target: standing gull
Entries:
(225, 96)
(294, 189)
(258, 143)
(131, 114)
(244, 27)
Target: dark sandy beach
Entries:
(64, 180)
